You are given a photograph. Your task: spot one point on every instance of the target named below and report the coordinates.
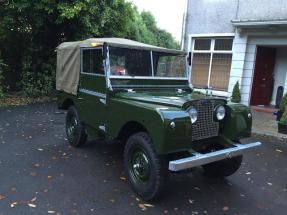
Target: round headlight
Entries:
(220, 112)
(193, 114)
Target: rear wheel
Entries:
(75, 130)
(223, 168)
(147, 171)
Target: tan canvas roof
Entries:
(119, 42)
(69, 60)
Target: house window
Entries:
(93, 61)
(211, 62)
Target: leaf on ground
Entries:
(2, 197)
(225, 208)
(270, 184)
(190, 201)
(148, 205)
(33, 174)
(32, 205)
(34, 199)
(142, 206)
(278, 150)
(12, 205)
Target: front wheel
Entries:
(223, 168)
(147, 171)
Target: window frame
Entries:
(212, 51)
(153, 77)
(89, 73)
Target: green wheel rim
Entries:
(139, 166)
(72, 128)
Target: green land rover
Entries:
(139, 95)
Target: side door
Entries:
(92, 88)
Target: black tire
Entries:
(76, 134)
(223, 168)
(147, 172)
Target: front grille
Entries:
(205, 126)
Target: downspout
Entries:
(184, 22)
(237, 10)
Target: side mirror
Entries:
(105, 51)
(189, 58)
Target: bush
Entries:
(283, 119)
(283, 102)
(236, 96)
(40, 84)
(2, 65)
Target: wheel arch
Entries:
(130, 128)
(68, 102)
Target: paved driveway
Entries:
(41, 174)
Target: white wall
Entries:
(238, 60)
(279, 71)
(249, 64)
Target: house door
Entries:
(263, 78)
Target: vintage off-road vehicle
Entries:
(140, 95)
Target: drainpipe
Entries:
(184, 22)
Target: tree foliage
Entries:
(236, 96)
(30, 30)
(283, 103)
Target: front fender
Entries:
(122, 111)
(237, 124)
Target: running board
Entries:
(198, 159)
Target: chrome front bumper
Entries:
(198, 159)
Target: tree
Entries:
(31, 30)
(236, 96)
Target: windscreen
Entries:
(169, 65)
(129, 62)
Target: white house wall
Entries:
(208, 17)
(262, 10)
(214, 16)
(249, 64)
(238, 59)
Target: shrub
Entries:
(236, 96)
(40, 84)
(283, 102)
(283, 119)
(2, 65)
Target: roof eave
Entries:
(253, 23)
